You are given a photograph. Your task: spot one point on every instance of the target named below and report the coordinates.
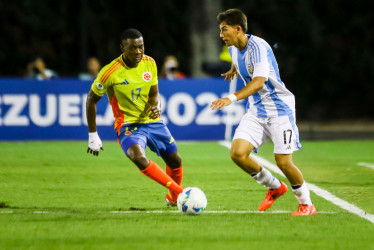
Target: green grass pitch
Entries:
(55, 196)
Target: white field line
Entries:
(366, 164)
(162, 212)
(317, 190)
(214, 212)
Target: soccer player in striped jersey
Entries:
(270, 111)
(131, 84)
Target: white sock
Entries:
(264, 177)
(303, 195)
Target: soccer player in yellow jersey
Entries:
(131, 84)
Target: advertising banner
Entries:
(55, 110)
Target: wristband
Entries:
(93, 134)
(232, 97)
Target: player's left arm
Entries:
(94, 142)
(153, 102)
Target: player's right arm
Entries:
(98, 89)
(252, 87)
(94, 141)
(91, 102)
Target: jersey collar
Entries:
(246, 46)
(122, 62)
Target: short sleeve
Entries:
(154, 80)
(261, 63)
(100, 85)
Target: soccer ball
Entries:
(192, 201)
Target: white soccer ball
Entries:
(192, 201)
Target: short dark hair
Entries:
(130, 33)
(233, 17)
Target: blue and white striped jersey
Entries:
(257, 59)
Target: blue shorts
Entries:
(155, 135)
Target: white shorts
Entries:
(281, 130)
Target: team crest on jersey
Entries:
(147, 76)
(99, 86)
(250, 69)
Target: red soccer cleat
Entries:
(272, 195)
(170, 200)
(304, 210)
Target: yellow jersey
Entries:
(127, 89)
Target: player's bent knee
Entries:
(238, 156)
(141, 162)
(173, 160)
(137, 157)
(174, 163)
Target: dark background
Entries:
(324, 48)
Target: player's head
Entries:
(232, 22)
(132, 46)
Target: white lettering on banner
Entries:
(69, 110)
(17, 104)
(207, 116)
(232, 113)
(51, 110)
(107, 119)
(189, 109)
(101, 120)
(84, 106)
